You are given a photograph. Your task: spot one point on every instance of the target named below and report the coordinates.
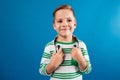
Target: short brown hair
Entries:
(65, 6)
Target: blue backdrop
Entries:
(26, 27)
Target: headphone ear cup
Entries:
(57, 48)
(75, 46)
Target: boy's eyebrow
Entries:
(64, 18)
(70, 18)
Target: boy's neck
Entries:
(65, 38)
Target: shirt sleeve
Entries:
(86, 56)
(45, 60)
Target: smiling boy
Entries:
(65, 57)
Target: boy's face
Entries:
(65, 22)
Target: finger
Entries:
(53, 54)
(62, 54)
(73, 47)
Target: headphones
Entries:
(57, 47)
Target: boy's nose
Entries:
(65, 23)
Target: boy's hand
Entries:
(57, 58)
(77, 55)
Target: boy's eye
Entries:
(59, 21)
(69, 20)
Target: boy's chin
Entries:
(66, 35)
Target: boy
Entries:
(66, 57)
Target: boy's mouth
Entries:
(65, 29)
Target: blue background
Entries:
(26, 27)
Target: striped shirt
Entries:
(69, 69)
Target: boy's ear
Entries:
(54, 26)
(75, 24)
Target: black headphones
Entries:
(57, 47)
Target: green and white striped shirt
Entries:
(69, 69)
